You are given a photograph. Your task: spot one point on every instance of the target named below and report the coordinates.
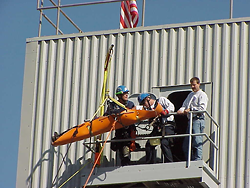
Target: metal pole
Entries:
(82, 4)
(143, 12)
(58, 17)
(190, 139)
(71, 21)
(54, 25)
(217, 152)
(231, 9)
(41, 17)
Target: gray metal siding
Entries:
(63, 81)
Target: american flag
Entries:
(129, 14)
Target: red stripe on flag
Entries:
(129, 16)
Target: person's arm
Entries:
(184, 108)
(166, 104)
(107, 112)
(170, 107)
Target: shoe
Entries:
(125, 161)
(55, 137)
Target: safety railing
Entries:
(58, 6)
(214, 142)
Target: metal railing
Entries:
(214, 143)
(59, 7)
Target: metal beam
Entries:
(80, 4)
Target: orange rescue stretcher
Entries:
(104, 124)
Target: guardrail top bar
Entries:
(80, 4)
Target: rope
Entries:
(113, 126)
(99, 108)
(64, 156)
(117, 102)
(104, 97)
(106, 77)
(104, 92)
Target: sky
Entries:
(19, 20)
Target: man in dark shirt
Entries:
(126, 132)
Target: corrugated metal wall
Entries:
(63, 81)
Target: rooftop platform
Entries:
(175, 174)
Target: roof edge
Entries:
(139, 29)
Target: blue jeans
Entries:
(197, 141)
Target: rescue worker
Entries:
(196, 101)
(164, 125)
(126, 132)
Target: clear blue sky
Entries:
(19, 21)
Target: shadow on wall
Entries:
(37, 167)
(65, 180)
(71, 176)
(74, 173)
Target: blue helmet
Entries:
(121, 89)
(141, 97)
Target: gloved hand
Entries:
(132, 146)
(165, 112)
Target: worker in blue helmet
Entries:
(142, 97)
(122, 94)
(126, 132)
(164, 125)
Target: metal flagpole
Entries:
(143, 13)
(231, 9)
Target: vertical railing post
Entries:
(41, 17)
(58, 16)
(190, 139)
(217, 151)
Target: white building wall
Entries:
(63, 81)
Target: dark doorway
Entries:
(177, 98)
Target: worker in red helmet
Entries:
(163, 126)
(126, 132)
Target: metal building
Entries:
(62, 87)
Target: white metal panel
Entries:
(242, 96)
(66, 73)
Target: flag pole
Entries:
(143, 12)
(231, 9)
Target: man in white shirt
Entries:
(195, 101)
(163, 126)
